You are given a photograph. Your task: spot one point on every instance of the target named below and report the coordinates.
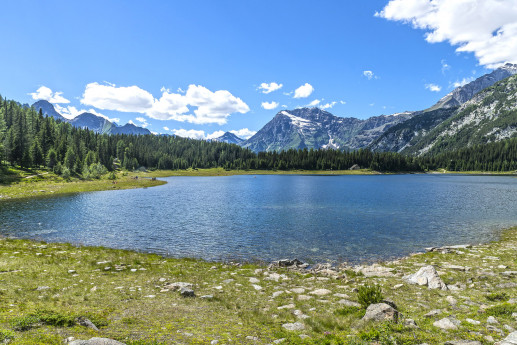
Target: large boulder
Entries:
(427, 275)
(381, 312)
(511, 339)
(96, 341)
(447, 323)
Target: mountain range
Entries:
(93, 122)
(482, 111)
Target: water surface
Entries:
(313, 218)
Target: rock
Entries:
(427, 275)
(463, 342)
(277, 293)
(96, 341)
(509, 285)
(320, 292)
(398, 286)
(304, 297)
(473, 322)
(410, 323)
(451, 300)
(298, 290)
(178, 286)
(297, 326)
(254, 280)
(492, 320)
(287, 306)
(348, 303)
(257, 287)
(509, 328)
(186, 292)
(299, 314)
(71, 271)
(86, 323)
(433, 313)
(278, 341)
(207, 297)
(380, 312)
(446, 323)
(41, 288)
(511, 339)
(289, 263)
(341, 295)
(249, 337)
(509, 273)
(494, 329)
(214, 342)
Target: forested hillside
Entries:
(30, 140)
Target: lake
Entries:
(269, 217)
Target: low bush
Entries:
(369, 294)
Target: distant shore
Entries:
(32, 184)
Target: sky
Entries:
(200, 68)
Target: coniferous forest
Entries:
(30, 140)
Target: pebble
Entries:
(297, 326)
(320, 292)
(473, 322)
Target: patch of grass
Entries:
(6, 335)
(498, 296)
(505, 309)
(369, 294)
(346, 311)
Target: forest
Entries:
(30, 140)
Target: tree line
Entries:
(29, 139)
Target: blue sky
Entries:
(196, 67)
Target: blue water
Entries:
(312, 218)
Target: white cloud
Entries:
(269, 105)
(445, 66)
(70, 112)
(268, 88)
(328, 105)
(487, 28)
(166, 128)
(110, 97)
(243, 133)
(190, 133)
(433, 87)
(342, 102)
(45, 93)
(314, 103)
(303, 91)
(214, 135)
(370, 75)
(143, 122)
(462, 82)
(211, 107)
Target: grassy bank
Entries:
(44, 287)
(18, 183)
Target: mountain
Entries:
(490, 116)
(402, 137)
(465, 93)
(316, 128)
(90, 121)
(48, 109)
(229, 138)
(129, 128)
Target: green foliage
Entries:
(369, 294)
(24, 323)
(498, 296)
(65, 173)
(53, 318)
(345, 311)
(112, 176)
(505, 309)
(6, 335)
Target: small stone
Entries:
(41, 288)
(277, 293)
(254, 280)
(410, 323)
(71, 271)
(462, 342)
(214, 342)
(96, 341)
(297, 326)
(398, 286)
(304, 297)
(445, 323)
(178, 286)
(451, 300)
(298, 290)
(320, 292)
(348, 303)
(278, 341)
(433, 313)
(341, 295)
(186, 292)
(287, 306)
(207, 297)
(380, 312)
(473, 322)
(250, 337)
(492, 320)
(86, 323)
(257, 287)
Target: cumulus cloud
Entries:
(110, 97)
(210, 107)
(462, 82)
(214, 135)
(328, 105)
(190, 133)
(433, 87)
(314, 103)
(269, 105)
(370, 75)
(445, 66)
(303, 91)
(70, 112)
(166, 128)
(268, 88)
(45, 93)
(243, 133)
(143, 122)
(486, 28)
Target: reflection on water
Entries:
(314, 218)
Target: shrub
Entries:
(6, 335)
(112, 176)
(369, 294)
(65, 173)
(505, 309)
(498, 296)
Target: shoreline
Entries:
(46, 184)
(132, 296)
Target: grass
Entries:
(45, 287)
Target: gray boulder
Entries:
(86, 323)
(447, 323)
(462, 342)
(186, 292)
(511, 339)
(96, 341)
(381, 312)
(427, 275)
